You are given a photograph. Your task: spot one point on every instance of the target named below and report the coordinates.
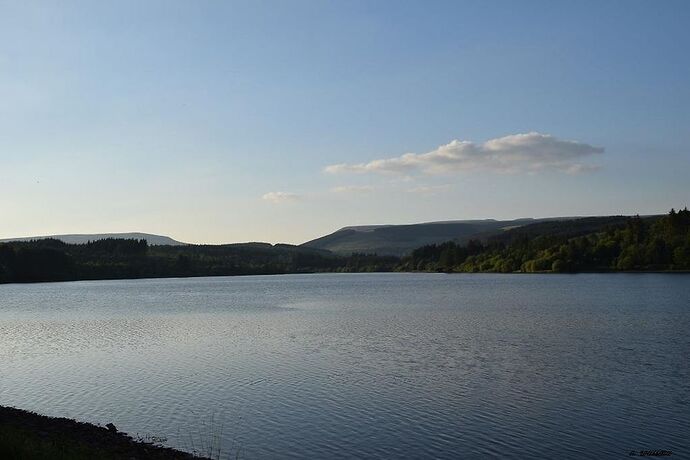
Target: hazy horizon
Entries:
(19, 237)
(282, 122)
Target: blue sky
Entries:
(218, 121)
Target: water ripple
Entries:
(362, 366)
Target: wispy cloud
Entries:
(280, 197)
(353, 189)
(530, 152)
(429, 189)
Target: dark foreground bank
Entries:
(29, 436)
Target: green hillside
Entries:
(654, 243)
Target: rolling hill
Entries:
(152, 240)
(399, 240)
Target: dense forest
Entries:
(53, 260)
(616, 243)
(590, 244)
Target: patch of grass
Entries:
(207, 441)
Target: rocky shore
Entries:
(27, 435)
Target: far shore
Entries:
(545, 272)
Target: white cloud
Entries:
(579, 168)
(353, 189)
(429, 189)
(531, 152)
(280, 197)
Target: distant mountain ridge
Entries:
(399, 240)
(461, 221)
(79, 238)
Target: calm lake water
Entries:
(362, 366)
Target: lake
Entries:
(362, 365)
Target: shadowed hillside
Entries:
(399, 240)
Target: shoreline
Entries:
(28, 435)
(545, 272)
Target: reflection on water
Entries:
(369, 366)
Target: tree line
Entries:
(114, 258)
(615, 243)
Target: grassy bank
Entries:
(29, 436)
